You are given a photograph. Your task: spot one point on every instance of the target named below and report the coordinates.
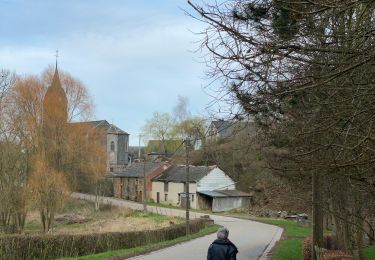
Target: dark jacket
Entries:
(222, 250)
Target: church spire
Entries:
(55, 103)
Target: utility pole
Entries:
(187, 193)
(139, 147)
(144, 185)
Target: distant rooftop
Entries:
(224, 193)
(135, 170)
(104, 126)
(177, 173)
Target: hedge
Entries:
(14, 247)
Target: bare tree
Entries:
(49, 191)
(80, 104)
(304, 70)
(160, 127)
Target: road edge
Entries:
(276, 237)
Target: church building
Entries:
(55, 111)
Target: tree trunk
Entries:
(317, 215)
(43, 219)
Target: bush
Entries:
(307, 248)
(329, 242)
(14, 247)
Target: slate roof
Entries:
(227, 128)
(104, 126)
(135, 170)
(224, 193)
(224, 128)
(177, 173)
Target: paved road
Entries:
(253, 239)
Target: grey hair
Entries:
(222, 233)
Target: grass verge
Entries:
(291, 228)
(369, 253)
(168, 206)
(290, 249)
(123, 253)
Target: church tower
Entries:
(55, 122)
(55, 103)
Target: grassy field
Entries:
(147, 248)
(79, 216)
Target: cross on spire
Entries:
(57, 55)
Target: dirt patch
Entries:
(80, 217)
(72, 218)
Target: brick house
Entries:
(128, 182)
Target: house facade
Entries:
(128, 182)
(169, 188)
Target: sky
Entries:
(135, 57)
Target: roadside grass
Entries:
(123, 253)
(369, 253)
(291, 228)
(168, 206)
(290, 249)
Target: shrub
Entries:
(26, 247)
(329, 242)
(335, 255)
(307, 248)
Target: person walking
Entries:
(222, 248)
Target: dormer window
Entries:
(112, 148)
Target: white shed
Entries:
(169, 188)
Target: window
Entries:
(111, 169)
(192, 198)
(165, 197)
(112, 148)
(165, 186)
(179, 198)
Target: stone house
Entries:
(128, 182)
(115, 140)
(169, 188)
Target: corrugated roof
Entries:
(213, 194)
(225, 193)
(135, 170)
(177, 173)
